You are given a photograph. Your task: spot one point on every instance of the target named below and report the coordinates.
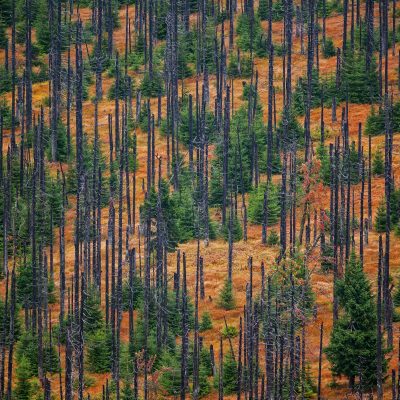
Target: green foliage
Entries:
(99, 349)
(278, 10)
(135, 61)
(206, 322)
(320, 88)
(152, 87)
(136, 295)
(62, 144)
(354, 164)
(124, 89)
(127, 392)
(378, 164)
(352, 349)
(376, 120)
(170, 376)
(229, 374)
(239, 66)
(380, 218)
(294, 130)
(168, 218)
(205, 387)
(5, 80)
(226, 299)
(329, 49)
(23, 388)
(5, 112)
(229, 332)
(263, 10)
(6, 323)
(6, 11)
(256, 204)
(240, 136)
(3, 34)
(250, 38)
(396, 295)
(358, 84)
(210, 131)
(237, 232)
(88, 166)
(43, 27)
(28, 348)
(93, 318)
(273, 239)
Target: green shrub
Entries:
(273, 238)
(229, 332)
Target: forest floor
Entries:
(215, 254)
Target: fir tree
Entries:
(206, 322)
(99, 353)
(23, 388)
(263, 10)
(229, 374)
(378, 165)
(380, 218)
(256, 204)
(226, 299)
(352, 349)
(328, 50)
(93, 318)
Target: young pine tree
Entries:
(23, 388)
(380, 219)
(378, 165)
(352, 349)
(226, 299)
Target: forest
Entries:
(199, 199)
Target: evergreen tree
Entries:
(263, 10)
(206, 322)
(3, 34)
(170, 377)
(328, 50)
(23, 388)
(93, 318)
(226, 299)
(352, 349)
(237, 232)
(380, 218)
(378, 165)
(229, 374)
(256, 204)
(99, 351)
